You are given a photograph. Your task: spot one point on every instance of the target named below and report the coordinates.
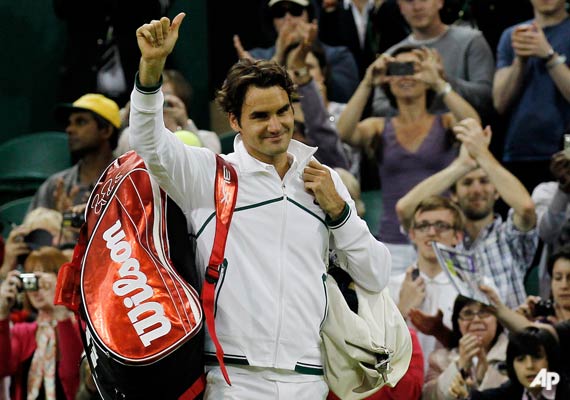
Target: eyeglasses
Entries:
(280, 9)
(469, 315)
(439, 226)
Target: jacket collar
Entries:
(298, 153)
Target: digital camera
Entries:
(30, 282)
(544, 308)
(73, 219)
(400, 68)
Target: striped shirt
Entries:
(505, 254)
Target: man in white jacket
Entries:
(271, 298)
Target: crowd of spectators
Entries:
(390, 84)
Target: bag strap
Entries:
(67, 289)
(225, 196)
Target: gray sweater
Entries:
(469, 67)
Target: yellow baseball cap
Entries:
(97, 103)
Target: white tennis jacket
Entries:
(271, 298)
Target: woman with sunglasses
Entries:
(411, 146)
(477, 354)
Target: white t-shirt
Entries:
(440, 294)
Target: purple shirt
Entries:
(400, 170)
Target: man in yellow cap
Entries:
(92, 123)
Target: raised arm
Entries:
(351, 115)
(509, 318)
(430, 72)
(178, 169)
(527, 41)
(470, 133)
(156, 41)
(434, 185)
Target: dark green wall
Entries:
(33, 40)
(190, 55)
(31, 51)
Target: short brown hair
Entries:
(433, 203)
(246, 73)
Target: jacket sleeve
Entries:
(185, 173)
(366, 259)
(70, 348)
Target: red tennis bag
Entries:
(134, 284)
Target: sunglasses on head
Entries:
(280, 9)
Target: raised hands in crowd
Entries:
(242, 53)
(292, 31)
(412, 293)
(297, 58)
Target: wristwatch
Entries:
(446, 89)
(560, 59)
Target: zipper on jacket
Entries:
(281, 262)
(324, 278)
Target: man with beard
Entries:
(92, 123)
(503, 249)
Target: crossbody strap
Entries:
(225, 196)
(67, 290)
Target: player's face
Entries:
(266, 123)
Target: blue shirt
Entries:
(540, 114)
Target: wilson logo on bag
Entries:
(135, 286)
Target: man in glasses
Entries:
(425, 286)
(504, 250)
(291, 20)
